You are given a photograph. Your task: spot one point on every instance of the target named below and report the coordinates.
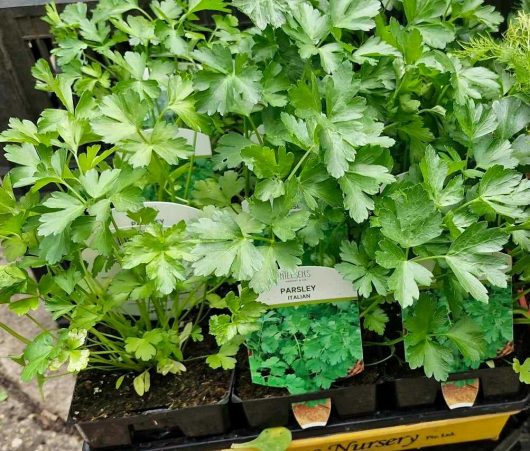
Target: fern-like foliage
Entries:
(513, 50)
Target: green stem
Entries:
(374, 304)
(300, 162)
(260, 238)
(430, 257)
(190, 170)
(37, 323)
(74, 192)
(522, 293)
(14, 333)
(255, 129)
(384, 343)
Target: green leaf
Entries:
(60, 85)
(437, 35)
(11, 275)
(119, 381)
(225, 357)
(475, 256)
(407, 273)
(348, 123)
(475, 120)
(3, 394)
(162, 140)
(194, 6)
(121, 117)
(359, 268)
(354, 15)
(434, 171)
(267, 163)
(38, 355)
(181, 102)
(505, 192)
(376, 320)
(228, 151)
(271, 439)
(230, 86)
(512, 116)
(23, 306)
(221, 361)
(67, 209)
(316, 186)
(264, 12)
(219, 192)
(142, 383)
(407, 40)
(276, 256)
(144, 348)
(360, 181)
(423, 322)
(371, 48)
(435, 359)
(162, 251)
(418, 11)
(21, 131)
(226, 249)
(409, 217)
(489, 151)
(284, 222)
(97, 185)
(309, 26)
(523, 370)
(472, 82)
(468, 338)
(405, 279)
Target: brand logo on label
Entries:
(404, 441)
(294, 276)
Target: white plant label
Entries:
(169, 214)
(308, 284)
(199, 141)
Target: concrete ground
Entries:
(29, 421)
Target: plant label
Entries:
(312, 414)
(296, 344)
(308, 284)
(199, 141)
(169, 214)
(458, 394)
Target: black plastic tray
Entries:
(378, 419)
(346, 401)
(155, 424)
(422, 391)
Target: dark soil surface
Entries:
(96, 396)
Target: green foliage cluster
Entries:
(306, 348)
(445, 340)
(513, 51)
(345, 133)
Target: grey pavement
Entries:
(28, 420)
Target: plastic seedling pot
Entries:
(416, 391)
(347, 400)
(382, 418)
(147, 421)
